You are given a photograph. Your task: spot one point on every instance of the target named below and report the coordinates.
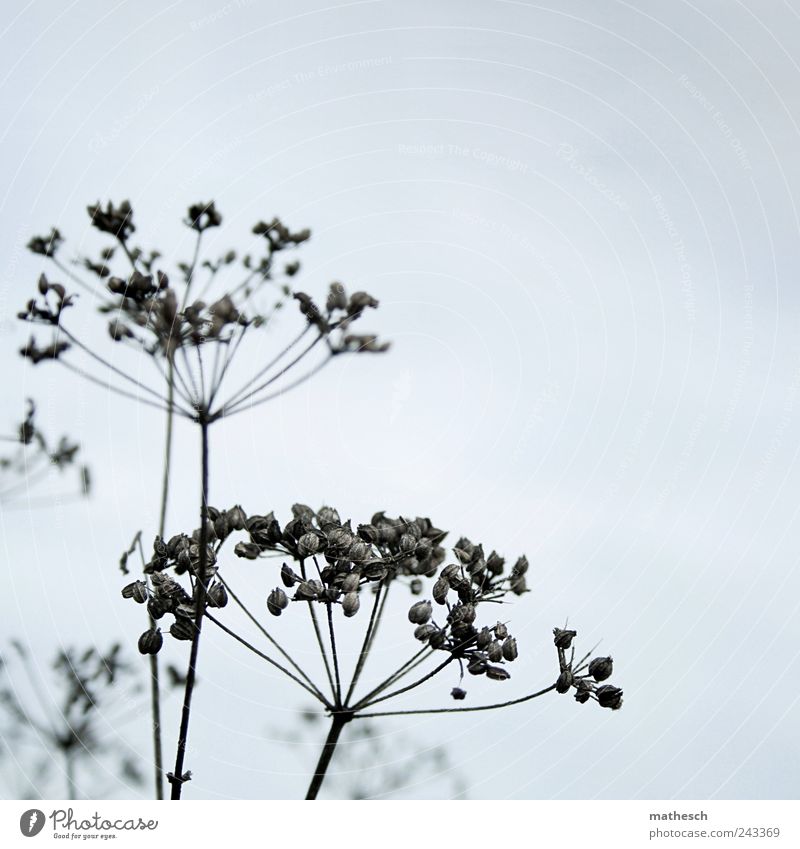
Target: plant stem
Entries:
(362, 657)
(69, 762)
(458, 709)
(155, 678)
(176, 778)
(338, 722)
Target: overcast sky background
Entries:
(580, 220)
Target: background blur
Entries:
(581, 224)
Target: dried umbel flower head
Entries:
(193, 337)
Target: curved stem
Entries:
(456, 710)
(408, 687)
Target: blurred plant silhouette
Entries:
(69, 720)
(32, 461)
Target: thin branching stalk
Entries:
(315, 693)
(272, 640)
(496, 706)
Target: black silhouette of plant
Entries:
(337, 566)
(195, 334)
(192, 344)
(66, 717)
(34, 459)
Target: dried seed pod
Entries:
(500, 631)
(468, 613)
(308, 545)
(425, 632)
(137, 591)
(420, 612)
(601, 668)
(494, 651)
(358, 552)
(609, 697)
(277, 601)
(288, 576)
(237, 518)
(351, 603)
(351, 582)
(306, 591)
(157, 607)
(495, 564)
(217, 595)
(438, 639)
(416, 586)
(183, 629)
(520, 567)
(564, 681)
(151, 641)
(458, 694)
(375, 570)
(583, 690)
(449, 573)
(407, 543)
(510, 649)
(497, 673)
(440, 590)
(563, 639)
(484, 638)
(477, 666)
(248, 550)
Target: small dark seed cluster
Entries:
(589, 685)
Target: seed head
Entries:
(137, 591)
(510, 649)
(563, 639)
(351, 604)
(609, 697)
(277, 601)
(601, 668)
(420, 612)
(151, 641)
(564, 681)
(497, 673)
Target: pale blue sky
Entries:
(580, 219)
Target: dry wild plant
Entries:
(192, 344)
(67, 718)
(334, 568)
(32, 461)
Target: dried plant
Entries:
(337, 566)
(194, 334)
(34, 459)
(67, 717)
(192, 345)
